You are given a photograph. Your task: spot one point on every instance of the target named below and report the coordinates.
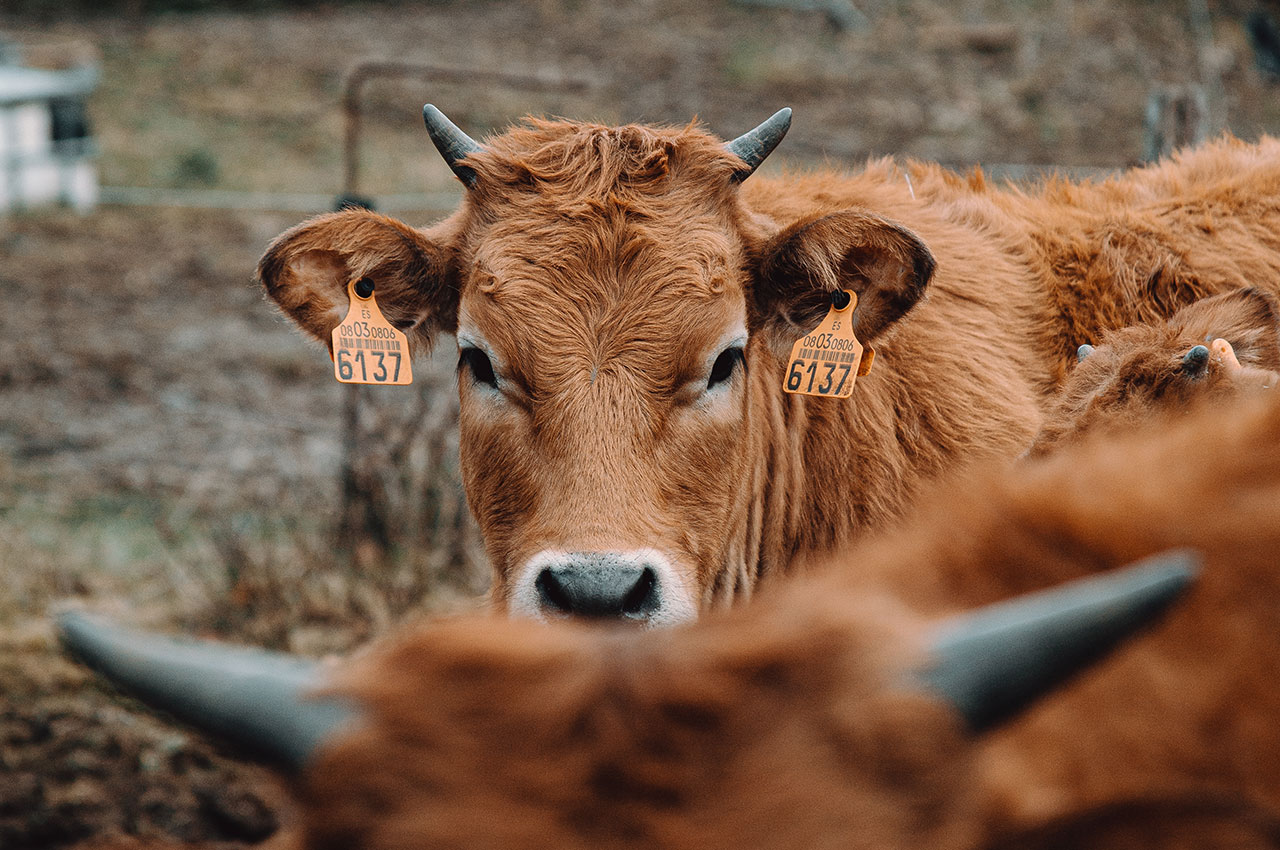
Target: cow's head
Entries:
(619, 314)
(831, 720)
(1213, 348)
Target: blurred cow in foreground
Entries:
(1208, 352)
(853, 708)
(625, 300)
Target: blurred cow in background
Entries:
(1208, 352)
(839, 711)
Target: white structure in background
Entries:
(46, 152)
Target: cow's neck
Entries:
(820, 472)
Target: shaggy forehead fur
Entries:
(569, 159)
(599, 250)
(609, 213)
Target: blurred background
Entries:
(172, 451)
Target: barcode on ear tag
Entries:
(366, 348)
(828, 360)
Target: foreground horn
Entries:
(252, 698)
(754, 146)
(995, 661)
(988, 663)
(453, 144)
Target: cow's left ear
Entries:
(887, 265)
(1247, 318)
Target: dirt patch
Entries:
(79, 764)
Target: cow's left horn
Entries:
(453, 144)
(752, 147)
(253, 698)
(991, 663)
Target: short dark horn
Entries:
(252, 698)
(453, 144)
(1195, 360)
(753, 147)
(994, 662)
(1083, 351)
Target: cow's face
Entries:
(618, 314)
(603, 403)
(1214, 348)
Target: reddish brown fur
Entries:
(1137, 372)
(795, 722)
(602, 267)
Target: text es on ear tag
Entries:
(366, 349)
(827, 360)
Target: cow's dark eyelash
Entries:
(478, 363)
(725, 365)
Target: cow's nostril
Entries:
(595, 585)
(642, 597)
(552, 593)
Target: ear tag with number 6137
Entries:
(827, 360)
(366, 349)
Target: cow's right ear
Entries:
(307, 268)
(886, 264)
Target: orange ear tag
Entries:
(366, 349)
(827, 361)
(1225, 353)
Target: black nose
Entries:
(599, 585)
(1195, 360)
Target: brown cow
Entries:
(625, 300)
(803, 720)
(1206, 353)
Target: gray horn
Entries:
(993, 662)
(253, 698)
(754, 146)
(453, 144)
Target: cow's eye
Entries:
(724, 366)
(478, 362)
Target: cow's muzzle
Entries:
(638, 585)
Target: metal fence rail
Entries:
(227, 199)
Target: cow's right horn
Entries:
(993, 662)
(752, 147)
(252, 698)
(453, 144)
